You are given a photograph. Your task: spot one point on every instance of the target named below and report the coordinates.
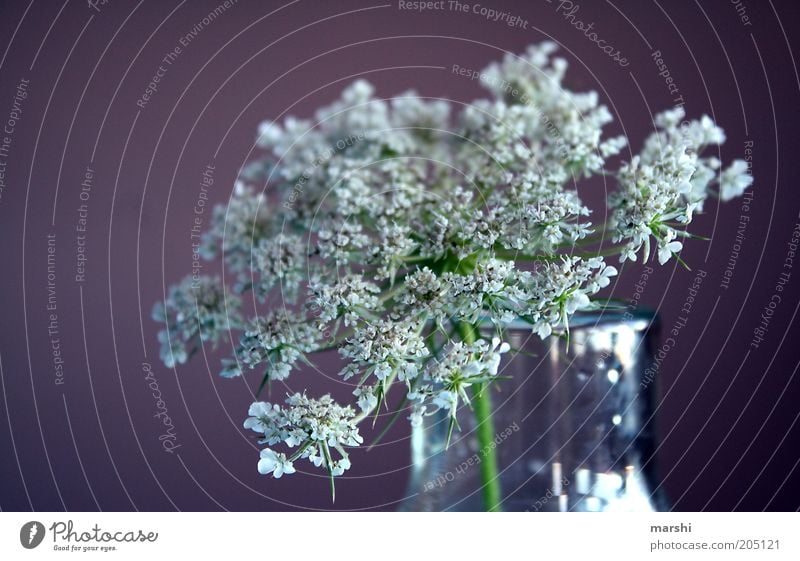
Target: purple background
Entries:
(729, 411)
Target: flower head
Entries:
(313, 426)
(385, 348)
(461, 366)
(278, 339)
(196, 311)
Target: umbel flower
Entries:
(314, 427)
(447, 379)
(406, 233)
(276, 340)
(196, 311)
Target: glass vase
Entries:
(573, 422)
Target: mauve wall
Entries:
(84, 436)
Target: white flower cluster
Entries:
(383, 349)
(196, 311)
(350, 297)
(315, 427)
(562, 287)
(426, 295)
(279, 262)
(237, 228)
(494, 289)
(491, 287)
(404, 220)
(446, 380)
(278, 339)
(563, 128)
(662, 187)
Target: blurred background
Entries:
(99, 180)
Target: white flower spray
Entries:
(416, 227)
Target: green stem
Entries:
(518, 256)
(482, 409)
(607, 252)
